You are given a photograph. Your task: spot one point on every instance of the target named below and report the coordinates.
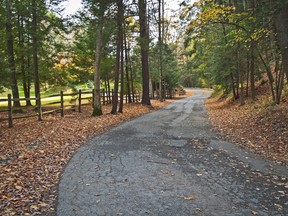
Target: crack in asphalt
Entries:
(170, 162)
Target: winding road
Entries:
(170, 162)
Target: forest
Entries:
(133, 49)
(232, 46)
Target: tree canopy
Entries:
(142, 46)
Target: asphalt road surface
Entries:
(170, 162)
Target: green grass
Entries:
(45, 93)
(46, 102)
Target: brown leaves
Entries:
(191, 198)
(254, 213)
(278, 206)
(257, 126)
(34, 153)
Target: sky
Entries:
(71, 6)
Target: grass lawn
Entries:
(44, 94)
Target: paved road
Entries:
(169, 162)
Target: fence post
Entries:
(10, 119)
(62, 103)
(79, 101)
(38, 99)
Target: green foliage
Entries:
(224, 38)
(50, 41)
(171, 73)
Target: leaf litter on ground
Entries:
(257, 126)
(33, 154)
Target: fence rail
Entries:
(64, 101)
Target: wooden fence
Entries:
(59, 104)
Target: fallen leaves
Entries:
(256, 126)
(278, 206)
(254, 213)
(191, 198)
(33, 154)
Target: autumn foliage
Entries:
(33, 154)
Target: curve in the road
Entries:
(170, 162)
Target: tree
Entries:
(97, 110)
(248, 30)
(121, 39)
(32, 30)
(127, 68)
(24, 53)
(10, 52)
(144, 44)
(160, 41)
(35, 48)
(119, 54)
(171, 72)
(281, 23)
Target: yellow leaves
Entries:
(278, 206)
(207, 15)
(4, 197)
(10, 179)
(18, 187)
(254, 213)
(191, 198)
(197, 4)
(6, 169)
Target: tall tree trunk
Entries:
(35, 50)
(127, 68)
(118, 61)
(248, 74)
(109, 90)
(29, 69)
(252, 70)
(281, 23)
(160, 51)
(270, 76)
(144, 44)
(241, 79)
(105, 85)
(252, 53)
(237, 78)
(10, 48)
(233, 86)
(97, 109)
(279, 79)
(131, 74)
(231, 75)
(22, 60)
(121, 20)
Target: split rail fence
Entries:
(73, 101)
